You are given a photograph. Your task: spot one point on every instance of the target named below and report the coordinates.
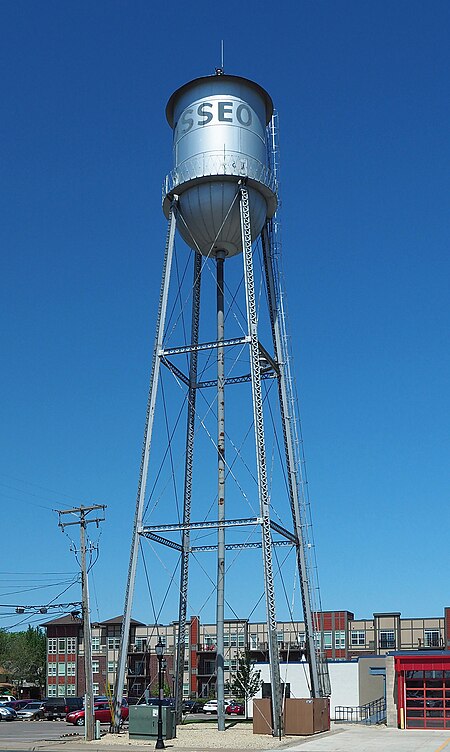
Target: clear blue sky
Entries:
(362, 94)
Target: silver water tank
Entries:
(219, 137)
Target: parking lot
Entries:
(29, 731)
(33, 735)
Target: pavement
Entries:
(339, 739)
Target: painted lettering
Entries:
(206, 115)
(219, 111)
(244, 115)
(225, 108)
(187, 121)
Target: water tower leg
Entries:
(137, 526)
(220, 258)
(263, 491)
(187, 496)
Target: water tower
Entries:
(221, 197)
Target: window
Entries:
(226, 664)
(61, 669)
(141, 644)
(279, 637)
(387, 639)
(113, 643)
(71, 690)
(327, 640)
(241, 640)
(52, 645)
(233, 639)
(96, 688)
(51, 690)
(358, 637)
(71, 668)
(339, 638)
(210, 667)
(96, 644)
(62, 645)
(233, 664)
(186, 690)
(226, 640)
(432, 638)
(52, 669)
(211, 640)
(61, 690)
(71, 645)
(95, 667)
(112, 667)
(186, 666)
(253, 641)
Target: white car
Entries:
(210, 706)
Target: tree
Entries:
(246, 681)
(23, 656)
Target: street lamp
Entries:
(159, 649)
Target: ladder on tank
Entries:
(320, 680)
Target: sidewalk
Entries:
(339, 739)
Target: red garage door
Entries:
(424, 691)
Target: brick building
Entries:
(342, 636)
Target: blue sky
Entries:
(361, 89)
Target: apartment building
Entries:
(341, 635)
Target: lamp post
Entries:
(159, 649)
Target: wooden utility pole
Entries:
(89, 690)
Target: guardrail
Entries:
(372, 712)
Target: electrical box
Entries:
(143, 722)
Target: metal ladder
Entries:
(310, 573)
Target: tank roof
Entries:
(222, 77)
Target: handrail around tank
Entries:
(212, 165)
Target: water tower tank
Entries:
(219, 138)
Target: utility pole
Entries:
(89, 692)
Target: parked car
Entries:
(6, 698)
(17, 704)
(192, 706)
(210, 706)
(58, 707)
(168, 701)
(33, 711)
(235, 708)
(7, 714)
(102, 713)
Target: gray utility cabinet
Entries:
(143, 722)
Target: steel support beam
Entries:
(263, 492)
(220, 686)
(316, 688)
(154, 379)
(187, 496)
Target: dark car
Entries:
(102, 713)
(192, 706)
(167, 701)
(17, 704)
(7, 714)
(58, 707)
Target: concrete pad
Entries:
(375, 739)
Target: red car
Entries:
(235, 708)
(102, 713)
